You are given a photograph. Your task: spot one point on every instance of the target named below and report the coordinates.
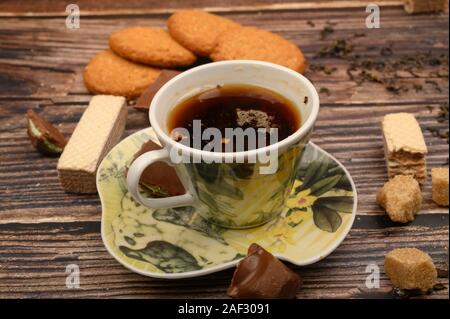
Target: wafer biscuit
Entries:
(406, 158)
(403, 133)
(421, 6)
(420, 177)
(404, 146)
(99, 129)
(408, 171)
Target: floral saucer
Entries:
(179, 243)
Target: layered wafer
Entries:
(404, 146)
(99, 129)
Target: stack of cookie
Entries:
(137, 55)
(404, 146)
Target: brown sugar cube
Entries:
(401, 198)
(439, 177)
(410, 268)
(421, 6)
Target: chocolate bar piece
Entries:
(143, 102)
(262, 276)
(99, 129)
(46, 138)
(159, 179)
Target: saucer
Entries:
(179, 243)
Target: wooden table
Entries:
(43, 229)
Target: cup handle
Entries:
(134, 175)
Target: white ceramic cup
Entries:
(229, 199)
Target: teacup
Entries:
(230, 189)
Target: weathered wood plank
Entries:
(33, 268)
(46, 8)
(52, 64)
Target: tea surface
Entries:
(230, 107)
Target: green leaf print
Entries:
(315, 171)
(324, 185)
(326, 219)
(187, 217)
(166, 256)
(344, 183)
(343, 204)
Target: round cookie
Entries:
(198, 30)
(153, 46)
(249, 43)
(108, 73)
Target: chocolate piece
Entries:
(143, 102)
(262, 276)
(46, 138)
(159, 179)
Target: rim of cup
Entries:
(236, 156)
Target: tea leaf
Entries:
(327, 30)
(439, 287)
(326, 219)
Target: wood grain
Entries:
(43, 229)
(48, 8)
